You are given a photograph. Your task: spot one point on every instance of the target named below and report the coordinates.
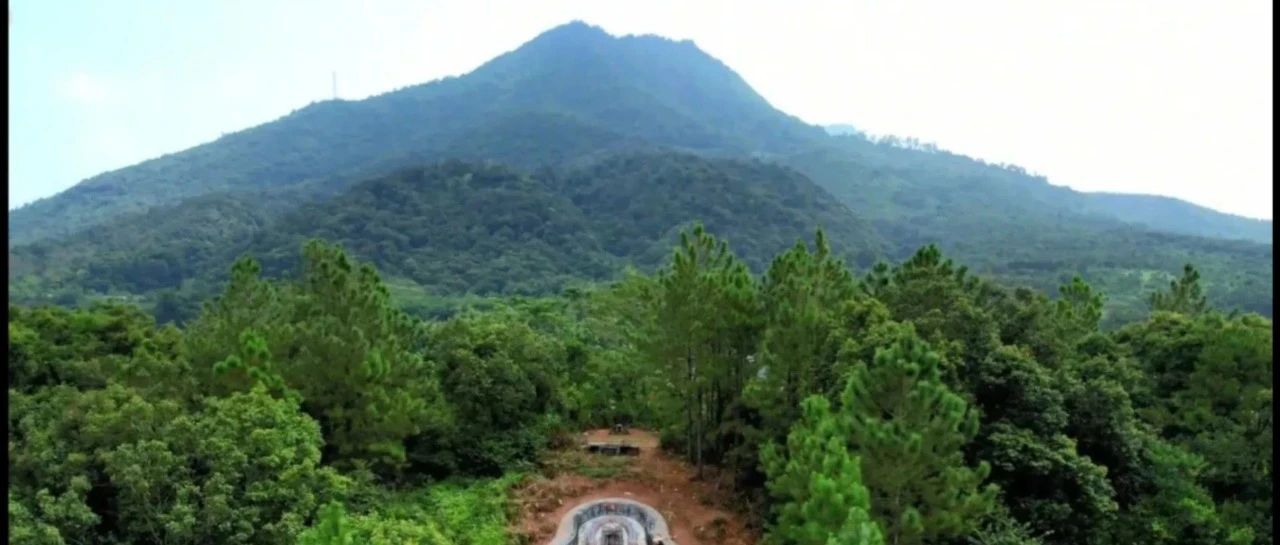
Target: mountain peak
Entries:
(575, 31)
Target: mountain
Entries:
(1154, 212)
(1179, 216)
(572, 90)
(633, 137)
(1006, 223)
(458, 227)
(841, 129)
(144, 251)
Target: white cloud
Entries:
(112, 144)
(235, 85)
(85, 89)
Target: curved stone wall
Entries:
(589, 523)
(596, 531)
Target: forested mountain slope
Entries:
(1178, 216)
(142, 251)
(575, 87)
(850, 162)
(1008, 224)
(488, 229)
(459, 227)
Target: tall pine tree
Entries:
(1184, 295)
(910, 430)
(704, 332)
(335, 338)
(801, 294)
(817, 484)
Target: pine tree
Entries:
(817, 484)
(910, 429)
(1184, 295)
(253, 366)
(705, 332)
(942, 300)
(1079, 310)
(334, 337)
(801, 293)
(332, 527)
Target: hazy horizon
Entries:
(1158, 98)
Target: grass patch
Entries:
(450, 513)
(595, 466)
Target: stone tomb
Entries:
(613, 521)
(614, 449)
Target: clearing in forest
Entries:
(694, 509)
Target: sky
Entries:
(1166, 97)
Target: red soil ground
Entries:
(694, 508)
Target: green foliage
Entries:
(334, 338)
(1177, 216)
(443, 514)
(1021, 230)
(802, 295)
(1184, 295)
(1003, 529)
(909, 429)
(1079, 310)
(1209, 382)
(258, 460)
(617, 383)
(454, 228)
(331, 528)
(52, 345)
(638, 202)
(818, 485)
(26, 529)
(941, 300)
(1177, 509)
(1010, 418)
(1045, 481)
(808, 301)
(707, 325)
(139, 253)
(501, 378)
(244, 469)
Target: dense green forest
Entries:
(915, 403)
(452, 228)
(1009, 225)
(455, 230)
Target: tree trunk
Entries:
(688, 403)
(701, 431)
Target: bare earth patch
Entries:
(693, 508)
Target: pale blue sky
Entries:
(1161, 96)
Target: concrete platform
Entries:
(615, 449)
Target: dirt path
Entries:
(693, 508)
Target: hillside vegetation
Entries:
(457, 228)
(369, 321)
(915, 404)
